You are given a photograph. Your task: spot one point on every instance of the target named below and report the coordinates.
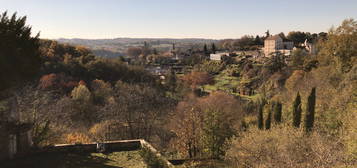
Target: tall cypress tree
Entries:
(260, 116)
(297, 111)
(171, 82)
(213, 48)
(310, 110)
(278, 107)
(268, 120)
(205, 49)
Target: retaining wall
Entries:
(110, 146)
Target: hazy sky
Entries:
(178, 18)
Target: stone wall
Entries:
(111, 146)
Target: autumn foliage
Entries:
(203, 126)
(77, 138)
(55, 81)
(195, 79)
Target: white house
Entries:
(218, 56)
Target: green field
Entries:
(223, 82)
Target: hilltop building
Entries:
(276, 44)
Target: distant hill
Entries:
(117, 46)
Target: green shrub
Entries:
(151, 159)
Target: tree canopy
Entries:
(19, 51)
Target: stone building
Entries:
(276, 44)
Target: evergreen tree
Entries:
(297, 111)
(205, 49)
(278, 112)
(213, 48)
(267, 34)
(277, 61)
(310, 110)
(217, 131)
(268, 120)
(19, 51)
(171, 81)
(282, 35)
(258, 40)
(260, 116)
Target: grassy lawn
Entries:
(227, 83)
(223, 82)
(127, 159)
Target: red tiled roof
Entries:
(275, 37)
